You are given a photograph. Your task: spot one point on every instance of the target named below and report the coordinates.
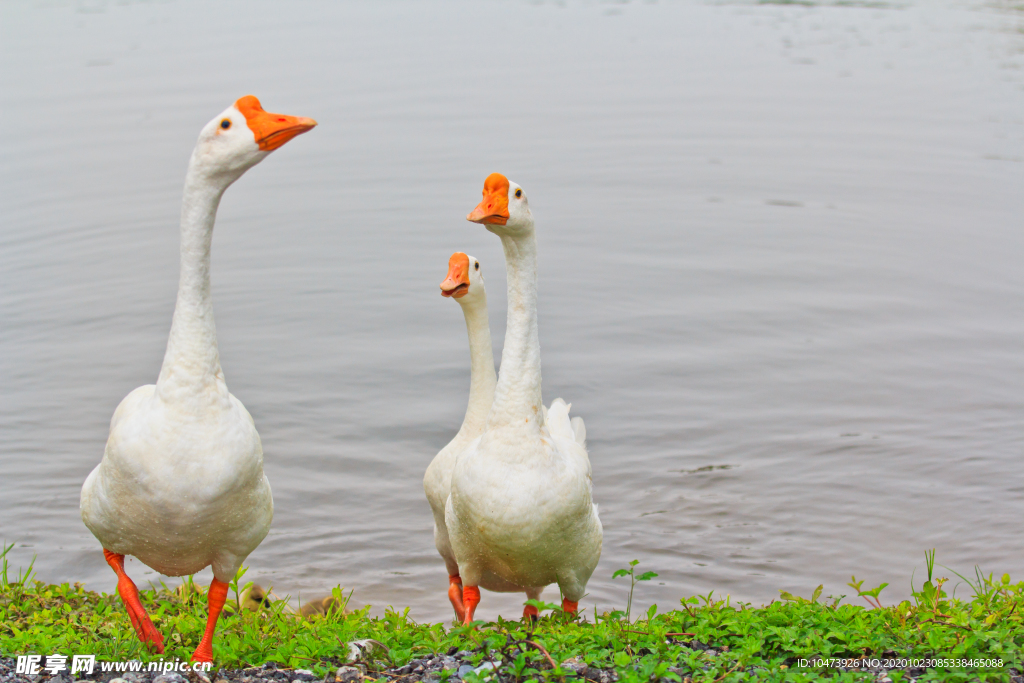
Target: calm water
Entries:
(782, 274)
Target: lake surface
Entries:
(781, 272)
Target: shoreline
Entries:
(933, 637)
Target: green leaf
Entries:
(541, 605)
(876, 590)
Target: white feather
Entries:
(579, 431)
(521, 510)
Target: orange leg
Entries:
(570, 607)
(471, 598)
(130, 596)
(455, 595)
(531, 612)
(215, 598)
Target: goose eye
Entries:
(477, 266)
(225, 124)
(519, 193)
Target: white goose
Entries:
(521, 514)
(464, 283)
(181, 484)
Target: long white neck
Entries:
(517, 398)
(192, 362)
(481, 355)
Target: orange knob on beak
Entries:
(457, 283)
(494, 207)
(271, 130)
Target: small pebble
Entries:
(169, 677)
(486, 666)
(347, 674)
(576, 665)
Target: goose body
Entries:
(181, 484)
(521, 514)
(465, 284)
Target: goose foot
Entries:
(570, 607)
(470, 598)
(531, 611)
(455, 595)
(129, 593)
(215, 598)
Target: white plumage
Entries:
(521, 514)
(465, 284)
(181, 484)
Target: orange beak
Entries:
(494, 207)
(271, 130)
(457, 283)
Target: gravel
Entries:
(427, 669)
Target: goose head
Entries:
(464, 281)
(240, 137)
(504, 209)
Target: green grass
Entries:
(41, 619)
